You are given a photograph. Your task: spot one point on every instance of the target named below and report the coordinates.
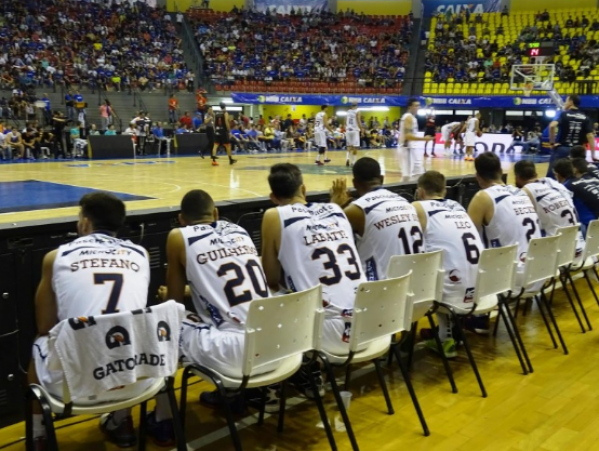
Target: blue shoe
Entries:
(162, 432)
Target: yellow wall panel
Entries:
(377, 7)
(550, 5)
(216, 5)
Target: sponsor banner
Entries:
(490, 101)
(433, 7)
(314, 99)
(285, 6)
(488, 142)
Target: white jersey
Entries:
(555, 208)
(98, 274)
(352, 120)
(450, 229)
(471, 124)
(515, 220)
(391, 228)
(319, 122)
(224, 273)
(449, 127)
(317, 246)
(403, 132)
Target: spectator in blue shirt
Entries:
(197, 121)
(111, 131)
(46, 110)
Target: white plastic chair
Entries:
(381, 310)
(66, 407)
(495, 275)
(278, 329)
(426, 287)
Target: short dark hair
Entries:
(564, 168)
(323, 107)
(488, 166)
(104, 210)
(196, 204)
(575, 99)
(578, 152)
(284, 180)
(367, 169)
(412, 100)
(580, 164)
(432, 182)
(525, 169)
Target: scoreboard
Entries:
(536, 49)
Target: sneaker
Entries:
(162, 432)
(213, 400)
(40, 444)
(253, 397)
(449, 347)
(201, 155)
(214, 163)
(122, 435)
(232, 161)
(347, 163)
(301, 381)
(478, 324)
(425, 155)
(327, 160)
(433, 155)
(319, 163)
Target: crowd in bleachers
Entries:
(95, 44)
(318, 52)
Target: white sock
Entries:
(445, 326)
(163, 408)
(354, 158)
(347, 156)
(117, 418)
(318, 157)
(38, 425)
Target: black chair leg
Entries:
(406, 377)
(183, 403)
(282, 403)
(29, 421)
(565, 286)
(177, 420)
(347, 377)
(435, 331)
(590, 284)
(262, 406)
(473, 364)
(229, 415)
(383, 384)
(143, 423)
(412, 344)
(577, 296)
(547, 326)
(510, 333)
(48, 423)
(322, 412)
(545, 302)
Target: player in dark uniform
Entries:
(430, 129)
(581, 152)
(222, 132)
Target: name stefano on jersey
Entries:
(107, 258)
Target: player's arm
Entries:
(326, 123)
(46, 310)
(176, 275)
(271, 243)
(530, 196)
(480, 210)
(421, 215)
(590, 135)
(359, 121)
(410, 136)
(478, 127)
(553, 131)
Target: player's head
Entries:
(488, 168)
(578, 152)
(100, 211)
(580, 166)
(477, 115)
(323, 107)
(525, 172)
(367, 175)
(353, 105)
(430, 185)
(563, 169)
(223, 106)
(286, 182)
(197, 207)
(572, 101)
(413, 105)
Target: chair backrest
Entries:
(282, 326)
(541, 260)
(496, 271)
(380, 310)
(591, 247)
(568, 237)
(426, 283)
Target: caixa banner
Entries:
(434, 7)
(285, 6)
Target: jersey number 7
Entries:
(115, 293)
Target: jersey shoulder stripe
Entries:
(291, 221)
(195, 239)
(500, 198)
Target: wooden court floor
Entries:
(553, 409)
(165, 180)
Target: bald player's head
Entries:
(197, 207)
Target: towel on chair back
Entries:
(104, 352)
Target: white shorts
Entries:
(53, 380)
(352, 138)
(411, 161)
(222, 351)
(336, 331)
(470, 140)
(320, 138)
(446, 134)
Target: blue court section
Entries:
(31, 195)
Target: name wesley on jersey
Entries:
(395, 219)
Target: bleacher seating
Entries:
(324, 53)
(473, 54)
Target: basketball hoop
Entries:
(527, 88)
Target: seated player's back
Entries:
(224, 273)
(391, 227)
(98, 274)
(317, 246)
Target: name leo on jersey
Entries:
(324, 237)
(104, 263)
(219, 254)
(395, 219)
(128, 364)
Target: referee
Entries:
(575, 129)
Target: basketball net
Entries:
(527, 88)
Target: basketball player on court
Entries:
(385, 223)
(321, 125)
(430, 129)
(353, 132)
(448, 228)
(553, 202)
(449, 131)
(411, 160)
(85, 278)
(472, 131)
(222, 133)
